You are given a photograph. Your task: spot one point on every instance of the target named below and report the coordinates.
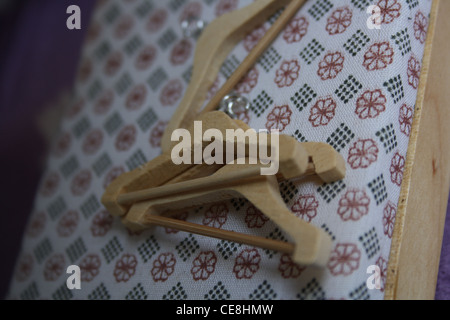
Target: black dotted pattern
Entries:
(167, 39)
(388, 138)
(99, 293)
(56, 208)
(303, 97)
(263, 292)
(369, 241)
(403, 41)
(312, 51)
(148, 249)
(187, 247)
(395, 88)
(137, 293)
(320, 8)
(90, 206)
(218, 292)
(330, 191)
(101, 164)
(112, 249)
(123, 84)
(356, 42)
(348, 89)
(156, 78)
(360, 293)
(227, 248)
(81, 127)
(43, 250)
(30, 293)
(340, 137)
(299, 136)
(113, 123)
(137, 159)
(378, 188)
(76, 249)
(62, 293)
(176, 293)
(261, 103)
(312, 291)
(269, 59)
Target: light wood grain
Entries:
(416, 244)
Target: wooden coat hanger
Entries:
(142, 196)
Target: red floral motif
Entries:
(54, 267)
(85, 70)
(90, 267)
(181, 52)
(136, 97)
(279, 118)
(253, 37)
(250, 81)
(382, 263)
(396, 170)
(156, 20)
(420, 27)
(157, 133)
(171, 92)
(371, 104)
(125, 267)
(288, 268)
(362, 154)
(344, 259)
(36, 225)
(389, 10)
(379, 56)
(92, 142)
(101, 223)
(204, 265)
(389, 214)
(67, 224)
(305, 207)
(180, 216)
(75, 108)
(296, 30)
(191, 11)
(414, 69)
(62, 145)
(247, 263)
(81, 182)
(216, 216)
(24, 267)
(339, 20)
(113, 63)
(225, 6)
(93, 32)
(255, 218)
(50, 184)
(405, 119)
(331, 65)
(213, 89)
(126, 138)
(112, 175)
(353, 205)
(163, 267)
(124, 26)
(145, 58)
(287, 73)
(322, 112)
(104, 103)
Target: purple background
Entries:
(38, 59)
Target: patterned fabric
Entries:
(327, 77)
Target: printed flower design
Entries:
(382, 263)
(287, 73)
(363, 153)
(190, 11)
(344, 259)
(24, 267)
(279, 118)
(331, 65)
(225, 6)
(379, 56)
(296, 30)
(93, 32)
(157, 133)
(306, 207)
(247, 263)
(136, 97)
(406, 119)
(204, 265)
(146, 57)
(181, 52)
(255, 218)
(389, 10)
(81, 182)
(414, 69)
(156, 20)
(126, 138)
(250, 81)
(104, 103)
(216, 216)
(124, 26)
(125, 268)
(322, 112)
(163, 267)
(90, 267)
(396, 170)
(371, 104)
(339, 21)
(92, 142)
(101, 223)
(85, 70)
(62, 145)
(180, 216)
(171, 92)
(389, 214)
(50, 184)
(288, 268)
(420, 27)
(112, 175)
(36, 225)
(113, 63)
(353, 205)
(253, 37)
(75, 108)
(54, 267)
(67, 224)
